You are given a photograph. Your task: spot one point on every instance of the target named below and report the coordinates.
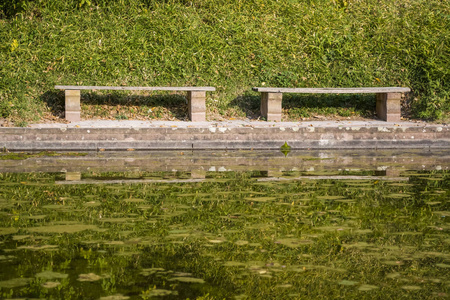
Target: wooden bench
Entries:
(387, 99)
(195, 95)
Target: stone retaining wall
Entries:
(174, 138)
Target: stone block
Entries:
(72, 105)
(73, 176)
(198, 174)
(196, 105)
(73, 116)
(388, 106)
(271, 106)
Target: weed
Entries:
(121, 117)
(21, 123)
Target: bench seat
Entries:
(387, 99)
(195, 95)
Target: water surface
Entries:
(225, 235)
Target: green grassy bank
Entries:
(232, 45)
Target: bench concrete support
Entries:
(198, 174)
(196, 98)
(271, 106)
(388, 106)
(387, 99)
(73, 176)
(73, 108)
(197, 106)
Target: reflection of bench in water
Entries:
(75, 178)
(336, 177)
(195, 96)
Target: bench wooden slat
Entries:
(364, 90)
(136, 88)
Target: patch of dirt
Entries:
(5, 123)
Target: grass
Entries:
(232, 45)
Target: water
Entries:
(200, 234)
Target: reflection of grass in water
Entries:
(229, 241)
(72, 228)
(51, 275)
(24, 155)
(13, 283)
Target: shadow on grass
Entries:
(55, 102)
(305, 106)
(249, 105)
(344, 105)
(119, 105)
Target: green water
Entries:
(224, 235)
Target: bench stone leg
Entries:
(73, 107)
(271, 106)
(197, 106)
(388, 106)
(73, 176)
(198, 174)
